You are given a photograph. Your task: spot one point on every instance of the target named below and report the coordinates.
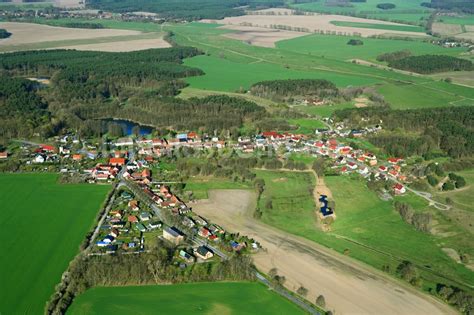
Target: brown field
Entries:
(36, 36)
(69, 3)
(348, 286)
(446, 29)
(309, 22)
(123, 46)
(260, 36)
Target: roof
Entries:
(174, 231)
(203, 250)
(117, 161)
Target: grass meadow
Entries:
(201, 185)
(362, 218)
(406, 10)
(191, 298)
(389, 27)
(335, 47)
(43, 224)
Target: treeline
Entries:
(185, 9)
(155, 267)
(427, 64)
(208, 114)
(454, 5)
(83, 25)
(289, 88)
(21, 109)
(393, 56)
(4, 33)
(420, 221)
(427, 130)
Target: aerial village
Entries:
(130, 158)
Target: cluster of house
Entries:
(125, 221)
(44, 153)
(349, 160)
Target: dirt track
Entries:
(348, 286)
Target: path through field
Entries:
(348, 286)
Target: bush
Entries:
(449, 185)
(355, 42)
(433, 181)
(321, 301)
(386, 6)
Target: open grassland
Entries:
(230, 65)
(323, 110)
(306, 125)
(193, 298)
(43, 224)
(406, 10)
(389, 27)
(29, 36)
(462, 198)
(462, 20)
(361, 220)
(201, 185)
(336, 47)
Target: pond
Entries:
(128, 125)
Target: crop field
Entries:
(43, 224)
(28, 36)
(192, 298)
(361, 218)
(201, 186)
(389, 27)
(462, 20)
(336, 47)
(405, 10)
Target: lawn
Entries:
(335, 47)
(201, 185)
(390, 27)
(193, 298)
(43, 224)
(362, 218)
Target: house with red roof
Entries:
(399, 189)
(117, 161)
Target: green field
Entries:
(43, 224)
(306, 126)
(406, 10)
(324, 110)
(335, 47)
(200, 186)
(390, 27)
(361, 219)
(462, 198)
(196, 298)
(463, 20)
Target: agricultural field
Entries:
(27, 36)
(335, 47)
(409, 11)
(316, 22)
(201, 186)
(460, 20)
(361, 218)
(43, 224)
(191, 298)
(238, 60)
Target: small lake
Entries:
(128, 125)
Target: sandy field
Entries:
(348, 286)
(258, 36)
(69, 3)
(310, 22)
(31, 36)
(123, 46)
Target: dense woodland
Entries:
(283, 89)
(419, 131)
(393, 56)
(83, 25)
(4, 33)
(88, 86)
(427, 64)
(456, 5)
(185, 9)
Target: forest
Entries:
(419, 131)
(427, 64)
(392, 56)
(83, 25)
(461, 5)
(282, 89)
(185, 9)
(4, 33)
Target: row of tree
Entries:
(427, 64)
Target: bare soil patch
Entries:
(27, 33)
(281, 179)
(452, 253)
(124, 46)
(348, 286)
(321, 189)
(308, 23)
(260, 36)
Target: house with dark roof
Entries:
(173, 235)
(203, 252)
